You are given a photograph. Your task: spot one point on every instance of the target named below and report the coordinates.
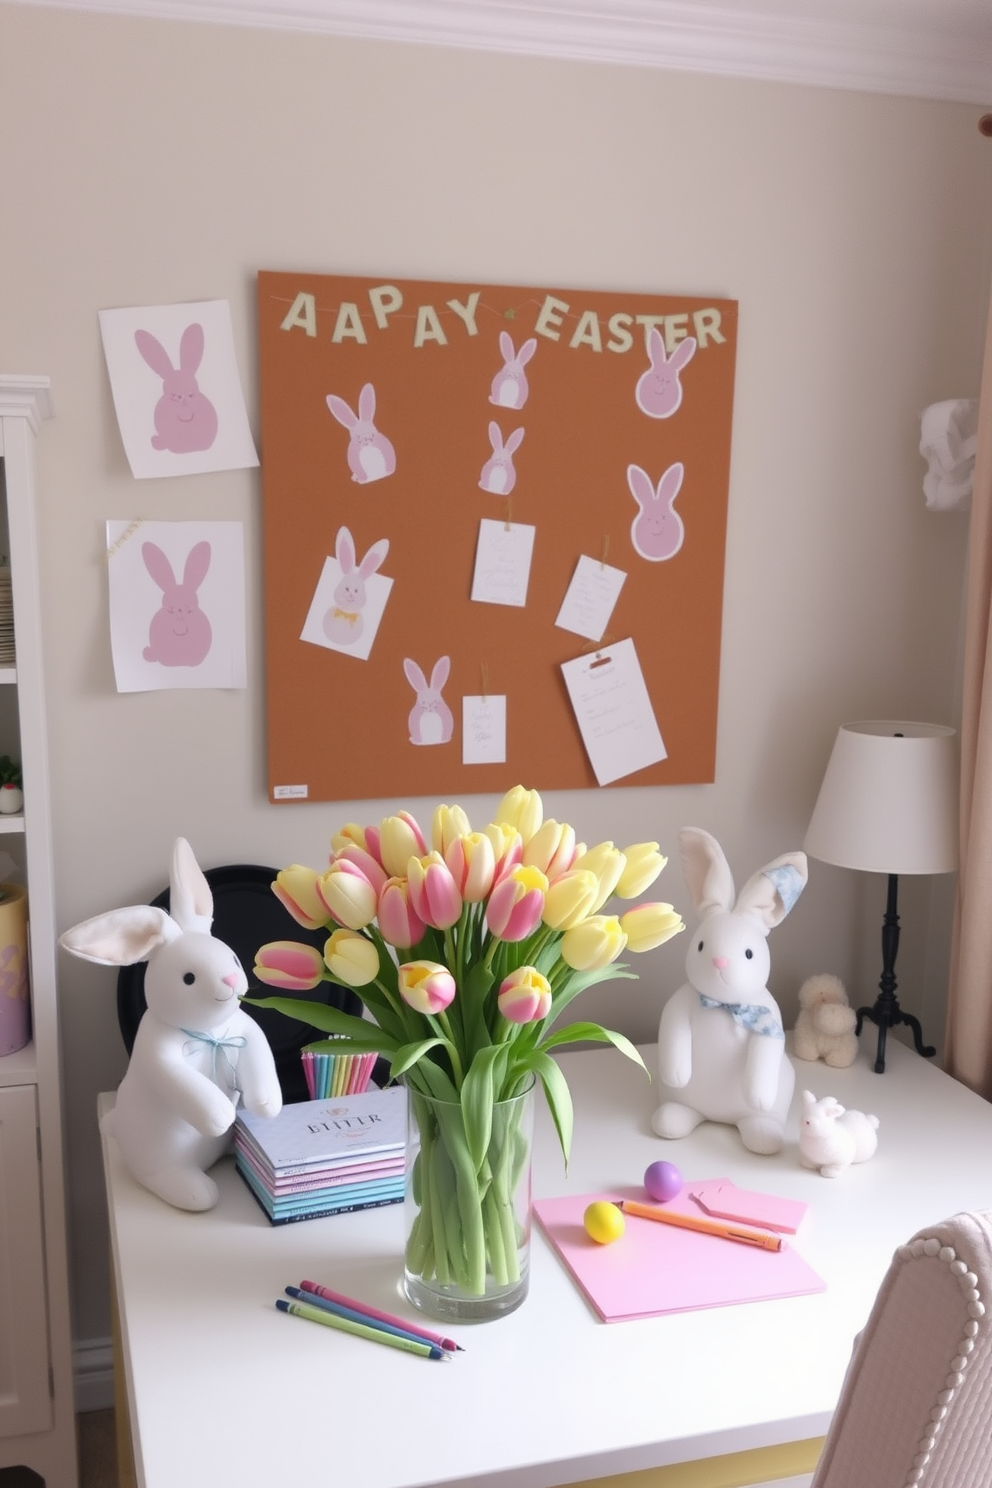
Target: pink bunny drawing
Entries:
(343, 624)
(179, 633)
(659, 391)
(371, 456)
(657, 531)
(509, 387)
(498, 475)
(185, 419)
(430, 720)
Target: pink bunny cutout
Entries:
(371, 456)
(657, 531)
(430, 720)
(498, 475)
(344, 624)
(659, 391)
(185, 419)
(179, 633)
(509, 386)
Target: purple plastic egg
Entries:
(663, 1181)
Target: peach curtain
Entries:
(968, 1036)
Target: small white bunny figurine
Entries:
(196, 1051)
(721, 1046)
(831, 1138)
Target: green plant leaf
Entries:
(559, 1098)
(409, 1054)
(477, 1096)
(576, 1033)
(329, 1020)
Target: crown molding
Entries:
(943, 53)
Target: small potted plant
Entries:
(11, 793)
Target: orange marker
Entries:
(722, 1228)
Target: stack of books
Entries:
(325, 1156)
(7, 655)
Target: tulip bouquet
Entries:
(466, 951)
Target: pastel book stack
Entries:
(325, 1156)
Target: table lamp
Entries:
(889, 804)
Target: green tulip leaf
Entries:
(593, 1033)
(329, 1020)
(559, 1098)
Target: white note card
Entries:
(613, 711)
(502, 563)
(590, 598)
(484, 730)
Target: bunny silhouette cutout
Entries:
(185, 419)
(430, 720)
(371, 456)
(343, 624)
(179, 633)
(657, 532)
(498, 475)
(659, 391)
(509, 387)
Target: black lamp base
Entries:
(886, 1012)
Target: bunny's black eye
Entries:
(189, 979)
(749, 954)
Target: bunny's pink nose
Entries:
(721, 962)
(231, 980)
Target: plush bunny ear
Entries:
(809, 1101)
(154, 353)
(707, 872)
(344, 550)
(191, 348)
(770, 893)
(341, 411)
(197, 565)
(121, 937)
(190, 899)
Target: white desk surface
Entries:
(225, 1390)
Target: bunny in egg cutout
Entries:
(721, 1046)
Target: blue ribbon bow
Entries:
(749, 1015)
(217, 1045)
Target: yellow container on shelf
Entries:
(15, 999)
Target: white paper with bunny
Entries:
(176, 388)
(177, 604)
(349, 599)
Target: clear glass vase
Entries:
(467, 1227)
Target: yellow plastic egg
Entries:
(604, 1222)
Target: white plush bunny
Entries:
(195, 1053)
(343, 623)
(831, 1138)
(721, 1047)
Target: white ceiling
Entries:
(927, 48)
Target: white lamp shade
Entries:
(889, 800)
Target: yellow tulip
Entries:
(400, 839)
(350, 835)
(347, 894)
(552, 848)
(593, 943)
(296, 889)
(644, 863)
(650, 925)
(351, 958)
(608, 863)
(570, 899)
(447, 823)
(522, 809)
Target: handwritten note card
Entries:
(484, 730)
(613, 711)
(590, 598)
(502, 563)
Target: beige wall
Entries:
(149, 162)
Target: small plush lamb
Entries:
(826, 1023)
(831, 1138)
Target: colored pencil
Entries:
(360, 1330)
(447, 1344)
(299, 1294)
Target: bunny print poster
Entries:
(176, 388)
(406, 421)
(177, 604)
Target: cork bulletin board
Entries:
(438, 459)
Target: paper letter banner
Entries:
(420, 417)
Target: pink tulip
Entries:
(296, 889)
(399, 924)
(473, 865)
(517, 903)
(426, 986)
(524, 996)
(370, 866)
(400, 839)
(347, 894)
(289, 965)
(433, 892)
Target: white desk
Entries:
(225, 1390)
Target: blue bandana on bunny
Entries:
(749, 1015)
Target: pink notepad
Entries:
(722, 1199)
(655, 1268)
